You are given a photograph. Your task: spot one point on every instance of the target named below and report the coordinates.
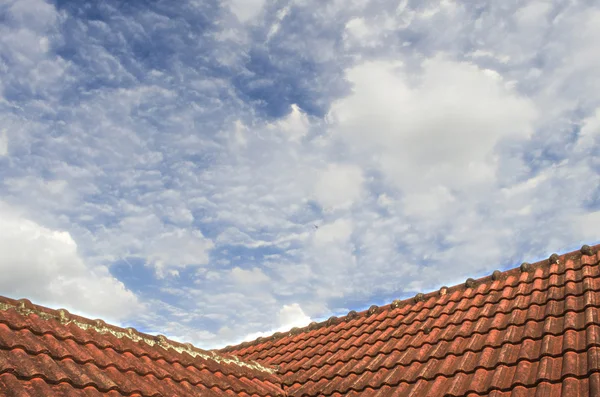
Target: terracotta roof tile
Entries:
(530, 331)
(51, 352)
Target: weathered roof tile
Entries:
(531, 331)
(52, 352)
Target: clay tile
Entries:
(587, 250)
(470, 283)
(553, 259)
(420, 297)
(24, 304)
(525, 267)
(161, 339)
(443, 290)
(313, 325)
(63, 315)
(352, 314)
(396, 303)
(332, 320)
(373, 309)
(496, 275)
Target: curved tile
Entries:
(530, 333)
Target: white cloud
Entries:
(439, 129)
(25, 40)
(178, 248)
(369, 32)
(532, 13)
(489, 54)
(3, 143)
(430, 203)
(339, 186)
(587, 223)
(246, 10)
(590, 131)
(357, 28)
(43, 265)
(424, 151)
(336, 232)
(331, 254)
(36, 14)
(570, 50)
(167, 247)
(289, 316)
(276, 25)
(293, 316)
(294, 126)
(249, 277)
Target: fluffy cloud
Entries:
(590, 132)
(26, 37)
(289, 316)
(440, 128)
(338, 231)
(44, 266)
(245, 10)
(3, 143)
(253, 276)
(338, 186)
(168, 247)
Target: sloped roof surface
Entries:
(46, 352)
(530, 331)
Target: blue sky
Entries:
(218, 170)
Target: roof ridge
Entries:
(25, 308)
(585, 250)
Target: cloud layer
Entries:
(215, 171)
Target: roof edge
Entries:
(585, 250)
(25, 308)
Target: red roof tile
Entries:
(47, 352)
(530, 331)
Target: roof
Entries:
(47, 352)
(529, 331)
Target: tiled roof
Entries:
(46, 352)
(529, 331)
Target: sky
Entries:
(215, 171)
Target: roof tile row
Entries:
(50, 352)
(554, 290)
(530, 330)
